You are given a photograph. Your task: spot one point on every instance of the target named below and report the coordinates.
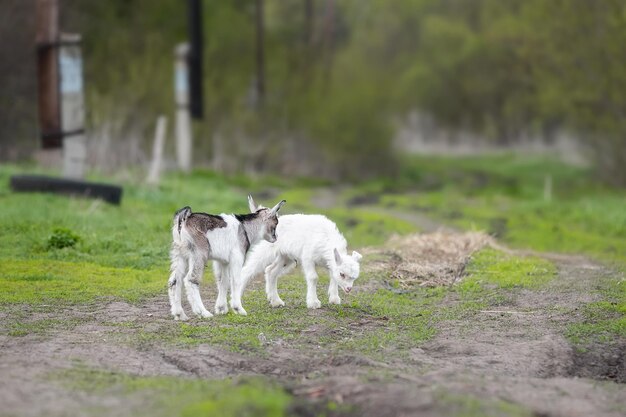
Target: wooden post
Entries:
(157, 151)
(194, 58)
(183, 118)
(47, 13)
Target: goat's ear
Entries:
(252, 204)
(277, 207)
(356, 255)
(337, 256)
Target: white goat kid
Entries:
(307, 239)
(225, 238)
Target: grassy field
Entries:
(504, 195)
(62, 253)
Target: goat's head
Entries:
(268, 217)
(347, 270)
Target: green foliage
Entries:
(338, 77)
(170, 396)
(62, 238)
(582, 86)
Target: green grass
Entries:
(504, 196)
(360, 227)
(367, 228)
(398, 321)
(48, 281)
(464, 405)
(387, 320)
(58, 251)
(492, 278)
(134, 234)
(170, 396)
(55, 249)
(603, 321)
(121, 253)
(490, 266)
(41, 326)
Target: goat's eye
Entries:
(342, 275)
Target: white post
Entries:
(183, 118)
(547, 188)
(157, 151)
(72, 107)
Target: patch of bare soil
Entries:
(513, 354)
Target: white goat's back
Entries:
(299, 235)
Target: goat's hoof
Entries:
(205, 314)
(334, 300)
(277, 302)
(181, 317)
(240, 310)
(314, 304)
(221, 309)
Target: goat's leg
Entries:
(250, 269)
(271, 283)
(192, 285)
(278, 268)
(223, 284)
(236, 282)
(333, 292)
(308, 267)
(175, 284)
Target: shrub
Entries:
(62, 238)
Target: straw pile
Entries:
(432, 259)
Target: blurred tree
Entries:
(18, 80)
(577, 51)
(338, 73)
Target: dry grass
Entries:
(433, 259)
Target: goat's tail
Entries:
(179, 221)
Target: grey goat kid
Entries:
(224, 238)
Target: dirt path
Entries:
(509, 360)
(518, 356)
(517, 352)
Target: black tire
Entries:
(39, 183)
